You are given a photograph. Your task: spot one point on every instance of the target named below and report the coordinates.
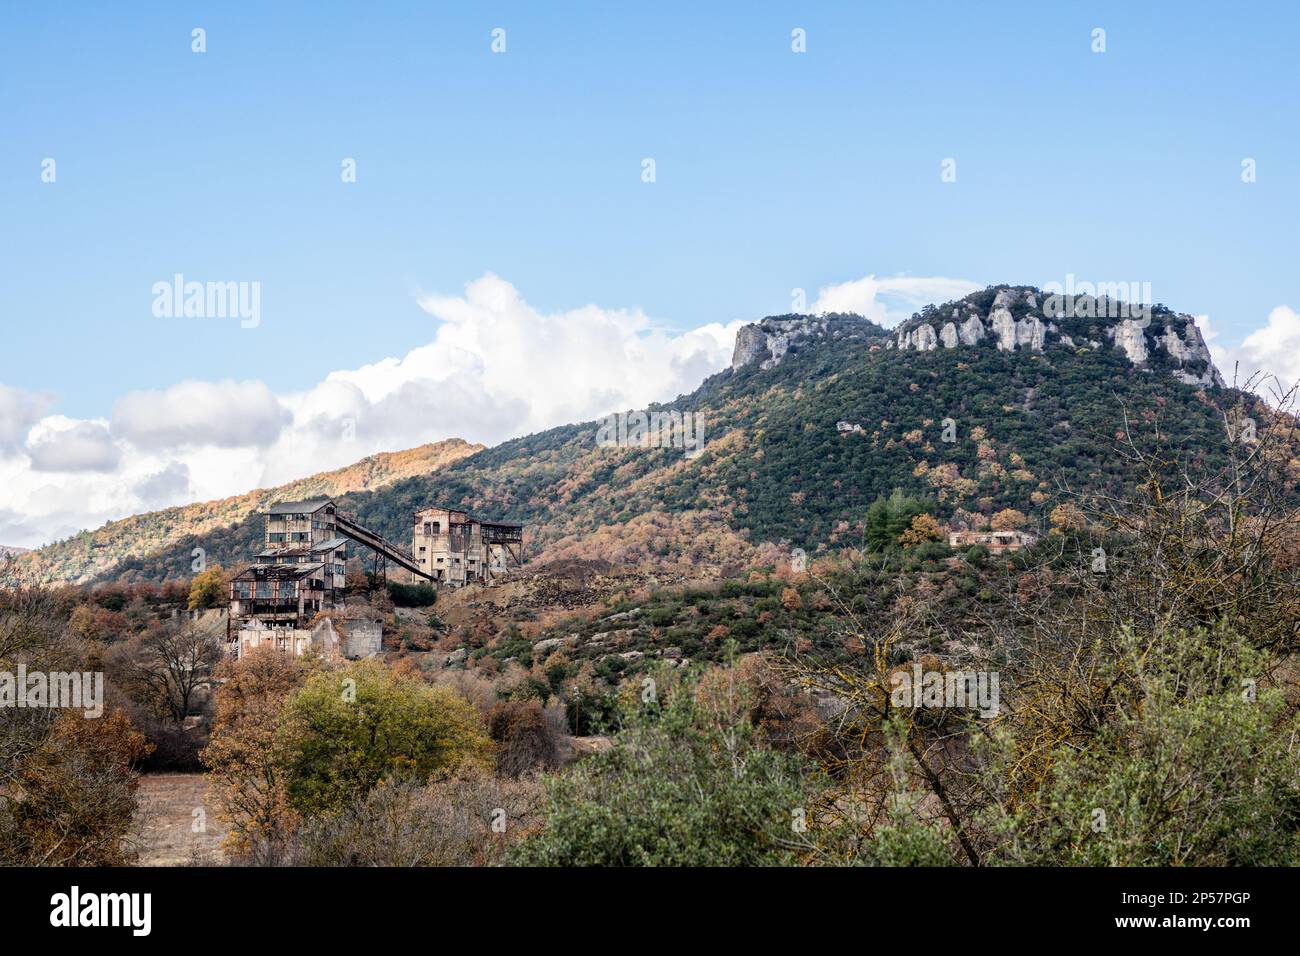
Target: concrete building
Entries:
(455, 549)
(298, 581)
(350, 639)
(298, 574)
(996, 541)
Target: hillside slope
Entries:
(998, 418)
(92, 554)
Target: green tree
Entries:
(888, 519)
(686, 784)
(346, 730)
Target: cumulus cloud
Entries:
(1272, 350)
(19, 411)
(545, 368)
(170, 486)
(890, 300)
(493, 367)
(496, 368)
(60, 444)
(225, 414)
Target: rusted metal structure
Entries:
(455, 549)
(301, 570)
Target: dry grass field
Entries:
(176, 824)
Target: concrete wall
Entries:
(364, 639)
(352, 639)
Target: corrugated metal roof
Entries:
(279, 570)
(299, 507)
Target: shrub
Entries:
(684, 785)
(467, 818)
(526, 739)
(345, 731)
(412, 595)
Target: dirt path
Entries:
(176, 822)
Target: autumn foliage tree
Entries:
(1008, 519)
(526, 740)
(67, 780)
(922, 529)
(246, 755)
(71, 799)
(208, 589)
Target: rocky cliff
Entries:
(1013, 318)
(768, 341)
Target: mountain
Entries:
(6, 551)
(994, 401)
(1151, 337)
(93, 554)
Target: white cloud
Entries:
(61, 444)
(226, 414)
(548, 368)
(890, 300)
(1273, 350)
(170, 486)
(19, 411)
(494, 368)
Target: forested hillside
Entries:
(101, 553)
(977, 428)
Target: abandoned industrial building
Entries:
(456, 549)
(288, 597)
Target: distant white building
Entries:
(995, 541)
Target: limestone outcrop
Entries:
(1014, 322)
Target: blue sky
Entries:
(774, 170)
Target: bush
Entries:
(526, 739)
(684, 785)
(348, 730)
(1192, 770)
(463, 819)
(412, 595)
(592, 714)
